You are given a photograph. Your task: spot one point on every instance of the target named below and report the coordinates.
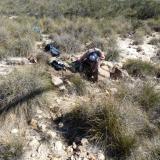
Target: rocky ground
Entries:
(43, 138)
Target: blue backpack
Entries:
(54, 51)
(93, 56)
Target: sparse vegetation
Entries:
(154, 41)
(79, 85)
(30, 83)
(11, 150)
(140, 68)
(101, 123)
(148, 97)
(120, 123)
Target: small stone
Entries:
(14, 131)
(74, 145)
(60, 125)
(113, 90)
(58, 146)
(52, 134)
(72, 158)
(107, 93)
(34, 124)
(101, 156)
(91, 157)
(62, 88)
(56, 81)
(34, 143)
(43, 127)
(70, 149)
(84, 141)
(39, 111)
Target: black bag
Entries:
(58, 65)
(52, 49)
(76, 66)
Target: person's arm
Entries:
(83, 56)
(102, 56)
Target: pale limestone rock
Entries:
(58, 146)
(113, 90)
(14, 131)
(57, 81)
(52, 134)
(101, 156)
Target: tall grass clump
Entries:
(11, 150)
(108, 131)
(154, 41)
(17, 37)
(148, 97)
(140, 68)
(79, 85)
(22, 86)
(100, 122)
(112, 50)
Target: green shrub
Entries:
(112, 54)
(108, 131)
(156, 153)
(78, 85)
(148, 97)
(21, 47)
(11, 150)
(101, 123)
(67, 43)
(140, 68)
(21, 86)
(154, 41)
(138, 37)
(112, 51)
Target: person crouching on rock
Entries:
(90, 62)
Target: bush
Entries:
(100, 122)
(156, 153)
(148, 97)
(112, 51)
(22, 47)
(140, 68)
(30, 83)
(112, 55)
(154, 41)
(154, 24)
(11, 150)
(17, 37)
(138, 37)
(107, 129)
(78, 85)
(67, 43)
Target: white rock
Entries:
(57, 81)
(101, 156)
(104, 73)
(14, 131)
(113, 90)
(34, 143)
(70, 149)
(43, 127)
(62, 88)
(84, 141)
(39, 111)
(74, 145)
(52, 134)
(58, 146)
